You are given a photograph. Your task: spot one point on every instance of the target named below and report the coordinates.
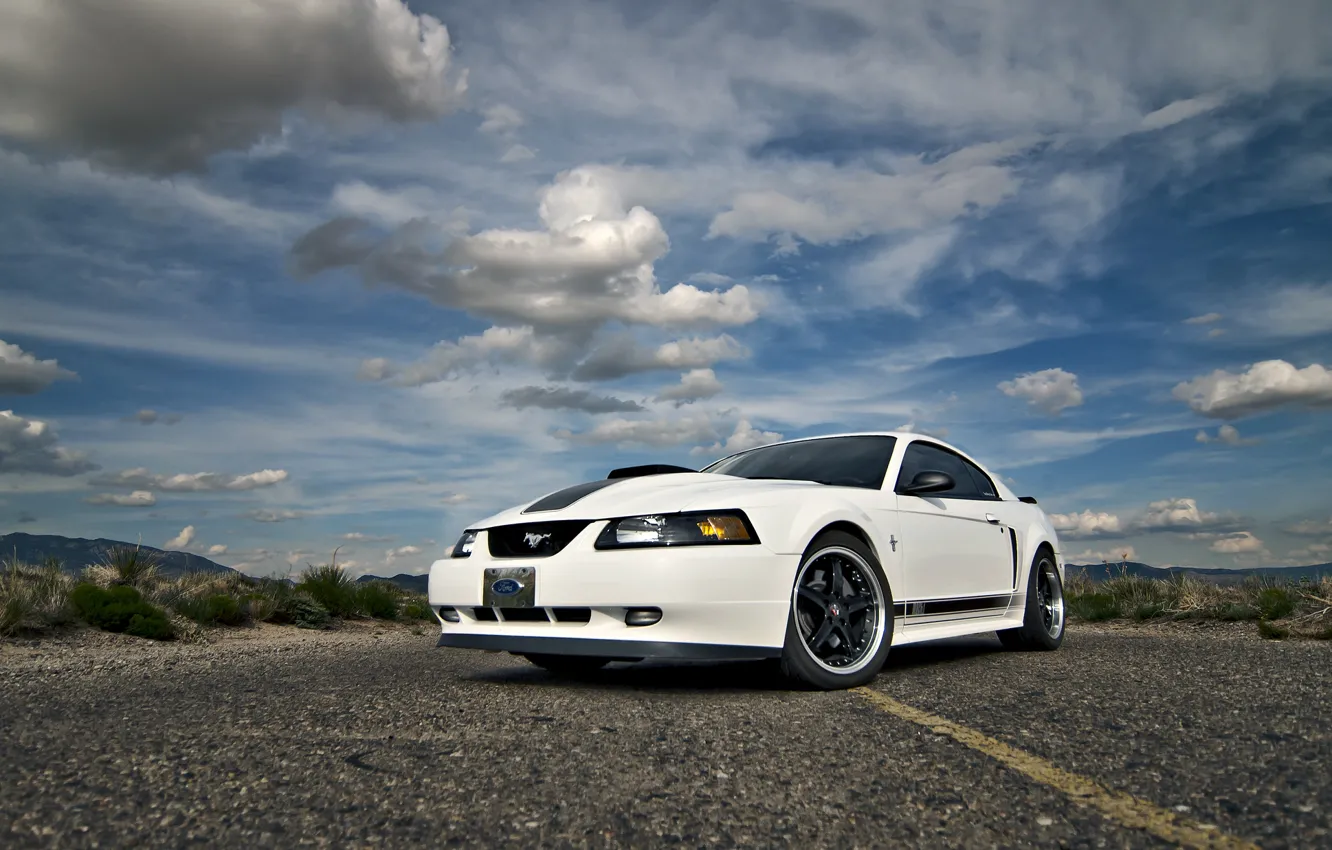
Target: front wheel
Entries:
(1043, 624)
(841, 621)
(568, 665)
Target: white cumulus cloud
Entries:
(1264, 386)
(1226, 435)
(31, 446)
(161, 86)
(1087, 524)
(136, 499)
(622, 356)
(1049, 390)
(22, 373)
(180, 541)
(548, 290)
(195, 482)
(1175, 515)
(1236, 543)
(1096, 556)
(744, 437)
(500, 119)
(695, 385)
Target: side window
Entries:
(922, 457)
(984, 486)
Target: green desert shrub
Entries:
(120, 608)
(1235, 612)
(306, 613)
(214, 609)
(1276, 603)
(1094, 607)
(331, 587)
(1149, 610)
(1272, 631)
(300, 610)
(377, 599)
(417, 609)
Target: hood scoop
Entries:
(647, 469)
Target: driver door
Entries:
(954, 545)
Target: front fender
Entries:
(789, 528)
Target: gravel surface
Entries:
(370, 736)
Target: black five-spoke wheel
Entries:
(840, 626)
(836, 606)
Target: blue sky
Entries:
(357, 274)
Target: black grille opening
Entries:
(534, 540)
(525, 615)
(572, 615)
(484, 614)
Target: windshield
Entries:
(841, 461)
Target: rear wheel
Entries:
(1043, 624)
(568, 665)
(841, 621)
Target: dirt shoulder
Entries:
(82, 647)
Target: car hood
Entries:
(647, 494)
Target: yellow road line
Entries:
(1117, 805)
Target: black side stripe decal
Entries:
(950, 606)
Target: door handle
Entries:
(992, 519)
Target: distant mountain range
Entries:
(75, 553)
(1101, 572)
(407, 581)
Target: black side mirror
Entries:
(929, 481)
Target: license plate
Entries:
(509, 587)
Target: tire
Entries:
(1045, 616)
(568, 665)
(825, 619)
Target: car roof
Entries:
(901, 435)
(905, 436)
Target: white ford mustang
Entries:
(822, 552)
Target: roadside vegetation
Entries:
(127, 593)
(1279, 610)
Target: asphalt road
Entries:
(359, 740)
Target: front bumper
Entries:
(625, 649)
(715, 602)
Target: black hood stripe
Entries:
(566, 497)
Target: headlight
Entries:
(463, 548)
(692, 529)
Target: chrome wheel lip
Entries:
(879, 609)
(1050, 599)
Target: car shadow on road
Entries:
(720, 677)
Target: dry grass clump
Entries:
(123, 565)
(33, 599)
(1280, 609)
